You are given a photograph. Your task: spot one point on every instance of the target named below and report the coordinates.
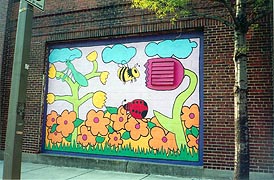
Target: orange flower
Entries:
(193, 141)
(119, 119)
(97, 122)
(86, 138)
(161, 140)
(65, 122)
(115, 139)
(155, 121)
(55, 137)
(51, 118)
(191, 115)
(136, 128)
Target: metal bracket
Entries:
(21, 109)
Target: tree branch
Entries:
(218, 18)
(230, 9)
(257, 17)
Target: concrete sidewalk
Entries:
(42, 171)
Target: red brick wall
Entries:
(260, 100)
(3, 16)
(77, 20)
(5, 75)
(218, 97)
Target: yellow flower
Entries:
(92, 56)
(103, 77)
(99, 99)
(52, 71)
(50, 98)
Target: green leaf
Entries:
(188, 131)
(151, 124)
(195, 131)
(99, 139)
(53, 128)
(126, 135)
(69, 138)
(112, 110)
(110, 130)
(77, 122)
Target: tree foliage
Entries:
(211, 9)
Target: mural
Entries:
(126, 98)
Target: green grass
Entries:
(127, 151)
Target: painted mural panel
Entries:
(126, 98)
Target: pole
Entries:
(17, 102)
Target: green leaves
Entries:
(77, 122)
(163, 8)
(126, 135)
(99, 139)
(53, 128)
(151, 125)
(69, 138)
(110, 129)
(112, 110)
(193, 130)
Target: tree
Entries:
(243, 14)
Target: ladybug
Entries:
(137, 108)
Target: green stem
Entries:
(174, 123)
(64, 98)
(60, 75)
(85, 98)
(94, 72)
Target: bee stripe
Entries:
(122, 74)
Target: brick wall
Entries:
(3, 38)
(77, 20)
(260, 99)
(3, 16)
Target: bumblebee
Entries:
(126, 74)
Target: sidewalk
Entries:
(42, 171)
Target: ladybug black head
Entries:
(127, 106)
(144, 113)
